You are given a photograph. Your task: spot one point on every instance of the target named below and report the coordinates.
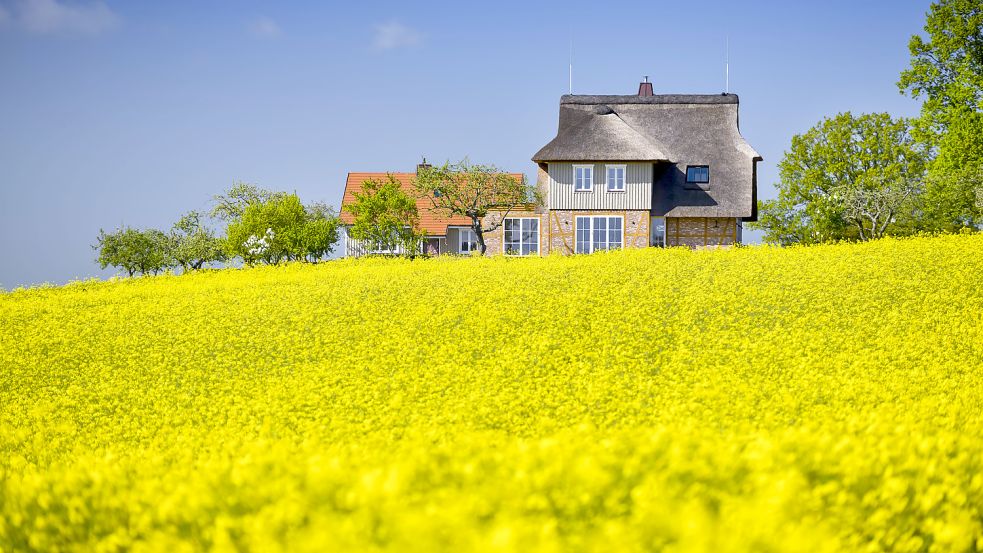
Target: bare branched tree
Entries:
(873, 205)
(473, 190)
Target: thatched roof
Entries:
(672, 131)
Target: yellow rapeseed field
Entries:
(755, 399)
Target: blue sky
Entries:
(135, 112)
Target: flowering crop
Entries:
(804, 399)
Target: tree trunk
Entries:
(479, 234)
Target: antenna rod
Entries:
(727, 67)
(571, 62)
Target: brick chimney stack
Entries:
(645, 88)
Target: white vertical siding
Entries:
(358, 248)
(637, 193)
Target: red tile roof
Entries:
(435, 224)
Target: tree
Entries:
(947, 72)
(385, 217)
(320, 232)
(872, 204)
(472, 190)
(846, 178)
(267, 230)
(947, 69)
(952, 199)
(147, 251)
(280, 228)
(231, 205)
(193, 244)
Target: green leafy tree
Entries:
(386, 217)
(947, 66)
(320, 232)
(193, 244)
(135, 251)
(846, 178)
(267, 231)
(472, 191)
(280, 228)
(946, 71)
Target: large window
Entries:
(599, 233)
(616, 178)
(468, 242)
(583, 178)
(698, 174)
(521, 236)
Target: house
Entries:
(627, 171)
(646, 170)
(444, 234)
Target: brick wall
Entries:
(698, 232)
(563, 230)
(495, 240)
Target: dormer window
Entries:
(697, 174)
(616, 178)
(583, 178)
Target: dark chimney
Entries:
(645, 88)
(421, 166)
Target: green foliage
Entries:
(386, 218)
(193, 244)
(947, 72)
(947, 68)
(953, 199)
(135, 251)
(280, 228)
(320, 232)
(846, 178)
(472, 190)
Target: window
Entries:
(583, 178)
(598, 233)
(616, 178)
(468, 241)
(658, 232)
(521, 236)
(699, 174)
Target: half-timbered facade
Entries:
(628, 171)
(647, 170)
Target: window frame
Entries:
(654, 232)
(539, 236)
(624, 176)
(589, 167)
(461, 233)
(591, 230)
(698, 182)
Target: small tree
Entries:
(280, 228)
(320, 232)
(134, 251)
(472, 190)
(194, 244)
(385, 217)
(871, 206)
(231, 205)
(267, 231)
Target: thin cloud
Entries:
(264, 27)
(60, 17)
(392, 35)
